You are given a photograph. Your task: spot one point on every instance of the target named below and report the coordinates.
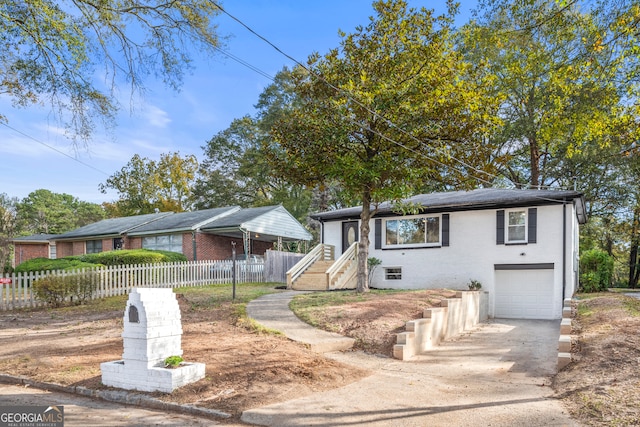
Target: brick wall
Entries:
(64, 249)
(26, 251)
(132, 243)
(210, 246)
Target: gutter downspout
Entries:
(564, 250)
(193, 244)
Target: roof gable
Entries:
(267, 220)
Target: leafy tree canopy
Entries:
(43, 211)
(145, 185)
(386, 112)
(52, 50)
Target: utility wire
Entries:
(375, 114)
(54, 149)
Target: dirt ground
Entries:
(244, 368)
(602, 386)
(247, 369)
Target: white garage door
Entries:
(524, 294)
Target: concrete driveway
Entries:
(496, 375)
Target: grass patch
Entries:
(633, 306)
(584, 311)
(215, 295)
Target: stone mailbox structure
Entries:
(152, 332)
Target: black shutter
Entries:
(533, 225)
(378, 233)
(445, 229)
(500, 227)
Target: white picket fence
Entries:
(16, 289)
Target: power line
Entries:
(375, 114)
(54, 149)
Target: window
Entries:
(93, 246)
(516, 226)
(52, 251)
(416, 231)
(393, 273)
(171, 242)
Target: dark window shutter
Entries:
(500, 227)
(445, 229)
(533, 225)
(378, 233)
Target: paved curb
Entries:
(117, 396)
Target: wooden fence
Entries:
(277, 263)
(16, 289)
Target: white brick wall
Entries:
(147, 343)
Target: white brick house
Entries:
(521, 245)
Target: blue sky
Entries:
(163, 121)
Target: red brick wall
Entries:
(26, 251)
(78, 248)
(132, 243)
(64, 249)
(212, 247)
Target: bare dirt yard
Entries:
(601, 387)
(248, 368)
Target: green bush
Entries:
(46, 264)
(54, 289)
(133, 256)
(119, 257)
(596, 271)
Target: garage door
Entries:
(524, 293)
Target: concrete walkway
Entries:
(272, 311)
(497, 375)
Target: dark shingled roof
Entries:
(483, 198)
(182, 221)
(36, 238)
(112, 226)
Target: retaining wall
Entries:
(454, 316)
(564, 342)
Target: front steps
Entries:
(315, 278)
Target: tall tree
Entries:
(557, 82)
(52, 50)
(44, 211)
(145, 185)
(8, 229)
(393, 107)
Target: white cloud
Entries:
(155, 116)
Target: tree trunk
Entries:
(363, 244)
(634, 271)
(534, 152)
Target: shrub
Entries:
(46, 264)
(55, 289)
(474, 285)
(596, 271)
(173, 361)
(133, 256)
(119, 257)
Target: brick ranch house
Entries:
(200, 235)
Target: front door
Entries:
(349, 234)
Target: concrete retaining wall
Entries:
(453, 316)
(564, 343)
